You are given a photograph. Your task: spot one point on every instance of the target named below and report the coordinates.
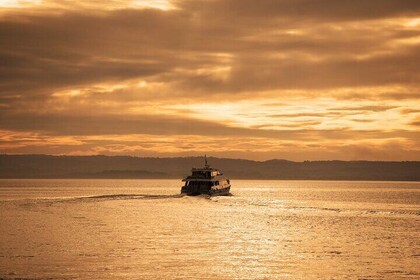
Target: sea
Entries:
(144, 229)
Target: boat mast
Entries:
(205, 162)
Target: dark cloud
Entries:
(415, 123)
(372, 108)
(324, 10)
(42, 52)
(100, 124)
(363, 120)
(310, 115)
(409, 111)
(106, 124)
(204, 50)
(256, 72)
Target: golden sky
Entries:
(298, 80)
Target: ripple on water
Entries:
(147, 230)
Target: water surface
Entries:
(143, 229)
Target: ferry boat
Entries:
(206, 180)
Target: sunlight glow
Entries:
(18, 3)
(156, 4)
(86, 4)
(413, 22)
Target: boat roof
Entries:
(214, 179)
(206, 168)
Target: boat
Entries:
(206, 180)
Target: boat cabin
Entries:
(206, 180)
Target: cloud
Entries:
(188, 67)
(325, 10)
(48, 51)
(375, 108)
(105, 124)
(416, 122)
(238, 147)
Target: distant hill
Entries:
(46, 166)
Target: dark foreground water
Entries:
(143, 229)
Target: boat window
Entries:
(201, 174)
(199, 184)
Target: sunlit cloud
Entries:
(293, 79)
(298, 112)
(87, 4)
(19, 3)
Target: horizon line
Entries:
(174, 157)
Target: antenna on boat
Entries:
(205, 162)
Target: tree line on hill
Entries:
(126, 167)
